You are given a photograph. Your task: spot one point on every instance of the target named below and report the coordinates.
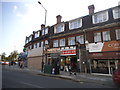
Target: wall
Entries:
(35, 62)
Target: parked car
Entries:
(116, 77)
(4, 63)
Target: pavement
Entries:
(79, 77)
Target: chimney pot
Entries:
(59, 17)
(42, 26)
(91, 9)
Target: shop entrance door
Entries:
(112, 66)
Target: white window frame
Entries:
(46, 41)
(38, 44)
(62, 42)
(97, 37)
(55, 43)
(75, 24)
(42, 44)
(37, 34)
(106, 36)
(61, 26)
(71, 41)
(117, 34)
(30, 38)
(100, 17)
(116, 12)
(35, 45)
(46, 31)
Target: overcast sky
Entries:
(21, 17)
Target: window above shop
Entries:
(106, 36)
(55, 43)
(62, 42)
(116, 13)
(80, 39)
(71, 41)
(59, 28)
(117, 34)
(35, 45)
(75, 24)
(100, 17)
(97, 37)
(46, 42)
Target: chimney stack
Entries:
(42, 26)
(59, 17)
(91, 9)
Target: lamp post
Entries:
(79, 54)
(44, 34)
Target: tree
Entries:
(13, 55)
(3, 56)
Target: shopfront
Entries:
(104, 57)
(105, 63)
(68, 60)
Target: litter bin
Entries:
(48, 69)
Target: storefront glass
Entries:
(104, 66)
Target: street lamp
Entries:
(79, 54)
(44, 34)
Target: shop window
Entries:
(97, 37)
(99, 66)
(55, 43)
(71, 41)
(117, 34)
(80, 39)
(62, 42)
(106, 35)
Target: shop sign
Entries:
(111, 46)
(55, 55)
(68, 52)
(53, 50)
(106, 46)
(105, 55)
(95, 47)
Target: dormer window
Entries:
(30, 38)
(116, 13)
(46, 31)
(37, 34)
(59, 28)
(75, 24)
(100, 17)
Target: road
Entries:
(23, 79)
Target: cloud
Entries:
(19, 14)
(15, 8)
(16, 11)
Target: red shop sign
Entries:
(68, 52)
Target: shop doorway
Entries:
(112, 66)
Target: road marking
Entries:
(32, 85)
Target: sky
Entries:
(19, 18)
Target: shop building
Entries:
(87, 43)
